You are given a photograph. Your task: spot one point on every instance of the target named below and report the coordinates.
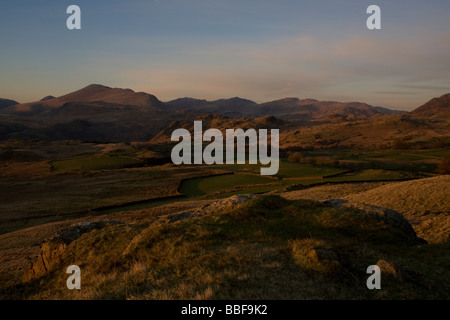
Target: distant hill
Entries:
(6, 103)
(288, 108)
(101, 113)
(222, 123)
(307, 109)
(230, 107)
(436, 108)
(90, 94)
(95, 112)
(47, 98)
(380, 131)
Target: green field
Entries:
(351, 154)
(298, 170)
(93, 162)
(291, 174)
(372, 175)
(226, 183)
(202, 186)
(286, 169)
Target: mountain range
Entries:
(101, 113)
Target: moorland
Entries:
(87, 179)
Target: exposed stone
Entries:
(388, 216)
(334, 202)
(75, 231)
(228, 203)
(215, 206)
(389, 268)
(53, 249)
(49, 257)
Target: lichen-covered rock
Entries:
(53, 249)
(48, 258)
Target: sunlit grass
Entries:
(257, 251)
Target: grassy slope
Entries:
(257, 251)
(88, 163)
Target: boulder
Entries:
(389, 268)
(389, 217)
(48, 258)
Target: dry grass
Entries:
(256, 251)
(331, 191)
(19, 248)
(425, 203)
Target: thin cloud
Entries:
(304, 66)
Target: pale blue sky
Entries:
(257, 49)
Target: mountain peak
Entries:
(96, 86)
(98, 92)
(47, 98)
(235, 100)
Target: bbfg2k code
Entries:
(245, 309)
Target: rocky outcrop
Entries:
(390, 269)
(389, 217)
(53, 249)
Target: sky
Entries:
(211, 49)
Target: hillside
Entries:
(243, 247)
(6, 103)
(379, 131)
(424, 202)
(220, 122)
(436, 108)
(398, 131)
